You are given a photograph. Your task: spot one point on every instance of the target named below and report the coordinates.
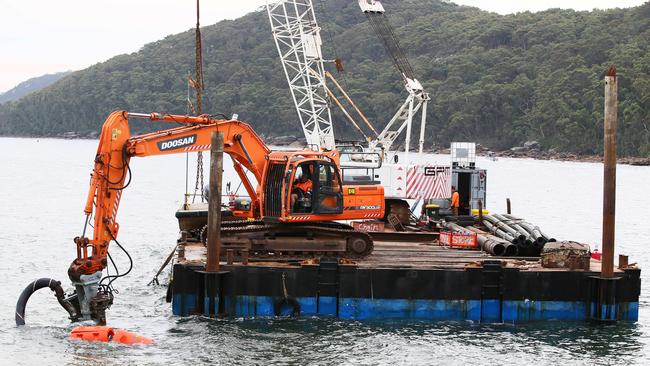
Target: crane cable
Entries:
(381, 26)
(198, 86)
(330, 41)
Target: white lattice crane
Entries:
(297, 38)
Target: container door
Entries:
(454, 180)
(479, 179)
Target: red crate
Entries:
(458, 240)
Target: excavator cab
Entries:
(316, 188)
(311, 187)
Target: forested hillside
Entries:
(31, 85)
(499, 80)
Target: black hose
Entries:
(37, 285)
(112, 278)
(289, 300)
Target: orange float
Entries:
(108, 334)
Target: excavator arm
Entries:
(111, 172)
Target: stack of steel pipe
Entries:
(501, 230)
(489, 243)
(524, 235)
(487, 239)
(535, 233)
(529, 238)
(525, 243)
(534, 230)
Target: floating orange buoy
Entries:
(126, 337)
(98, 333)
(108, 334)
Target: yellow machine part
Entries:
(475, 212)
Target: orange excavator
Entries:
(282, 216)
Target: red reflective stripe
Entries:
(422, 179)
(428, 189)
(412, 183)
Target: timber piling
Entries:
(609, 176)
(214, 203)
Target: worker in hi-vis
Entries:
(454, 200)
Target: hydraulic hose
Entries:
(37, 285)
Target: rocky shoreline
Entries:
(533, 150)
(530, 150)
(564, 156)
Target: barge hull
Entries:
(487, 291)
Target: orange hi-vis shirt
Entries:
(454, 199)
(305, 186)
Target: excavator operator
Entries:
(301, 192)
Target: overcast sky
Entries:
(46, 36)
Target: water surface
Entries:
(43, 187)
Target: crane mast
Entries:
(297, 38)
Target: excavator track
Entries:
(293, 241)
